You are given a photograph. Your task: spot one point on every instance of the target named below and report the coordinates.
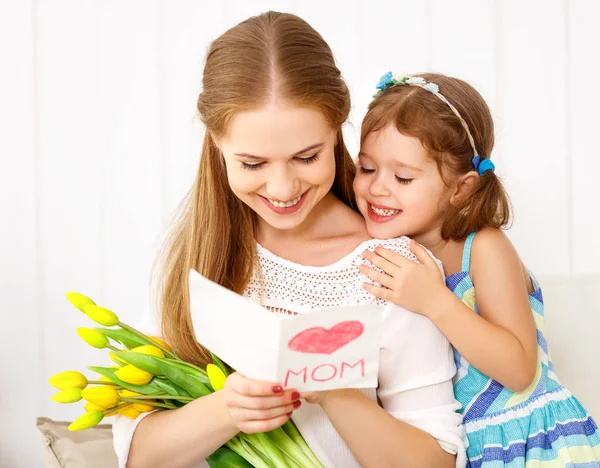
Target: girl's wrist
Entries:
(438, 304)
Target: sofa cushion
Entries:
(91, 448)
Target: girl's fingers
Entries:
(381, 263)
(422, 254)
(382, 293)
(381, 278)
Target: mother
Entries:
(272, 216)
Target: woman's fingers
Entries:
(259, 403)
(246, 414)
(244, 386)
(252, 427)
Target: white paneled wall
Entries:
(100, 141)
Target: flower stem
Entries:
(149, 340)
(151, 403)
(290, 429)
(163, 397)
(112, 348)
(116, 408)
(272, 451)
(179, 361)
(247, 452)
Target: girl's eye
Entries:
(252, 167)
(309, 160)
(364, 170)
(403, 181)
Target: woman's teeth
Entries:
(286, 204)
(379, 212)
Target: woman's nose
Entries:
(283, 184)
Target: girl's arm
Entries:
(500, 341)
(418, 425)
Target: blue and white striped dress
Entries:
(544, 426)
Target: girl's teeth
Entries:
(379, 212)
(287, 204)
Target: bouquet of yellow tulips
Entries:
(150, 376)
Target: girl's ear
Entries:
(464, 186)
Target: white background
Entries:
(99, 140)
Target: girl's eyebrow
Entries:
(297, 153)
(401, 164)
(397, 163)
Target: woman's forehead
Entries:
(276, 130)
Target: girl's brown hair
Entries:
(273, 54)
(418, 113)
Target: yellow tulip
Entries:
(104, 397)
(161, 342)
(147, 349)
(114, 413)
(116, 360)
(216, 376)
(78, 300)
(141, 407)
(68, 379)
(101, 315)
(93, 337)
(129, 412)
(86, 421)
(133, 375)
(69, 395)
(92, 407)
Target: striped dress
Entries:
(544, 426)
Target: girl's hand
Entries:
(407, 284)
(257, 406)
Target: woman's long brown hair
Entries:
(273, 54)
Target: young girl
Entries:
(271, 216)
(425, 172)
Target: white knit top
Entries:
(416, 364)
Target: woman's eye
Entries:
(403, 181)
(364, 170)
(252, 167)
(309, 160)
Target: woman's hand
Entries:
(405, 283)
(320, 398)
(257, 406)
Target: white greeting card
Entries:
(326, 349)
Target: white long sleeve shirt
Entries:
(416, 364)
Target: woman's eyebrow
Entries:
(297, 153)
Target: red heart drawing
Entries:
(319, 340)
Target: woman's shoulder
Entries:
(400, 245)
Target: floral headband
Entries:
(390, 80)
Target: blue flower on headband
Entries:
(385, 81)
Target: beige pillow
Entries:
(92, 448)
